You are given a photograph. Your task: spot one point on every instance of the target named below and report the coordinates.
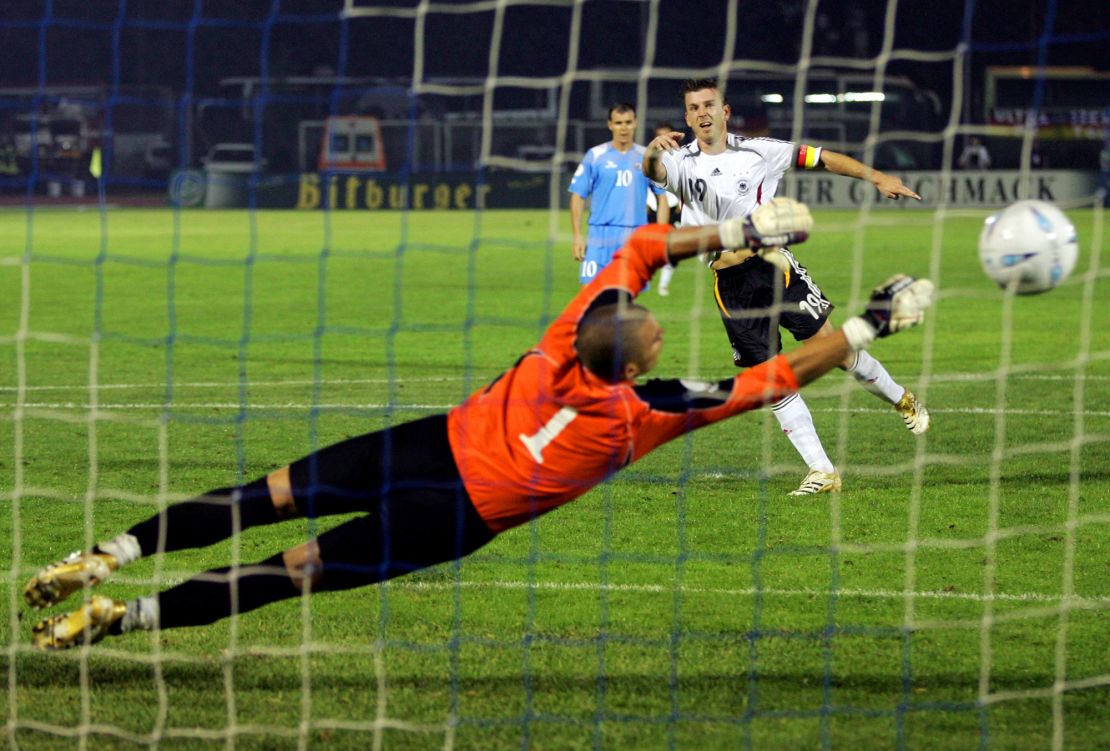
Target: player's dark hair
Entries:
(664, 125)
(608, 339)
(620, 108)
(691, 85)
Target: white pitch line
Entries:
(962, 377)
(225, 405)
(937, 378)
(305, 406)
(250, 384)
(586, 586)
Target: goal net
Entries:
(237, 233)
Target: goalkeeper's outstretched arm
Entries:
(898, 303)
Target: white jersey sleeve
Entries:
(671, 162)
(778, 154)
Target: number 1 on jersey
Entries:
(537, 442)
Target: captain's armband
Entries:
(807, 157)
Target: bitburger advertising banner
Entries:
(519, 190)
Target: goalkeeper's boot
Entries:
(87, 625)
(819, 482)
(59, 580)
(913, 413)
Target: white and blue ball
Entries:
(1030, 245)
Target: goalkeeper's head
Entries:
(619, 342)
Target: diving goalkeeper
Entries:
(565, 417)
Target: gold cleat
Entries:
(913, 413)
(59, 580)
(818, 482)
(86, 625)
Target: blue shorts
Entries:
(602, 241)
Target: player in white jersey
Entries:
(718, 176)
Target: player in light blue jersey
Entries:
(611, 178)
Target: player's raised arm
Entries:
(653, 156)
(890, 186)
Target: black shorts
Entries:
(753, 304)
(405, 480)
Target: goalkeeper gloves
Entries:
(896, 304)
(782, 221)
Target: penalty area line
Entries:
(161, 385)
(587, 586)
(306, 406)
(888, 594)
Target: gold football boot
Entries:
(86, 625)
(59, 580)
(913, 413)
(818, 482)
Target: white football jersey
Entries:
(733, 183)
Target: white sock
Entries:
(124, 547)
(141, 615)
(665, 275)
(796, 421)
(873, 376)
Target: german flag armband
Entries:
(807, 157)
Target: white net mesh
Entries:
(956, 588)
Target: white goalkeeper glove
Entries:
(782, 221)
(896, 304)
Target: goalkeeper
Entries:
(564, 418)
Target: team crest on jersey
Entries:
(743, 185)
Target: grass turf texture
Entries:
(687, 602)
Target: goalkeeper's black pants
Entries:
(403, 480)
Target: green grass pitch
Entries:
(955, 595)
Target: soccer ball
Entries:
(1030, 244)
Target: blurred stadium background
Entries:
(164, 87)
(234, 231)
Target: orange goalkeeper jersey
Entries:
(547, 430)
